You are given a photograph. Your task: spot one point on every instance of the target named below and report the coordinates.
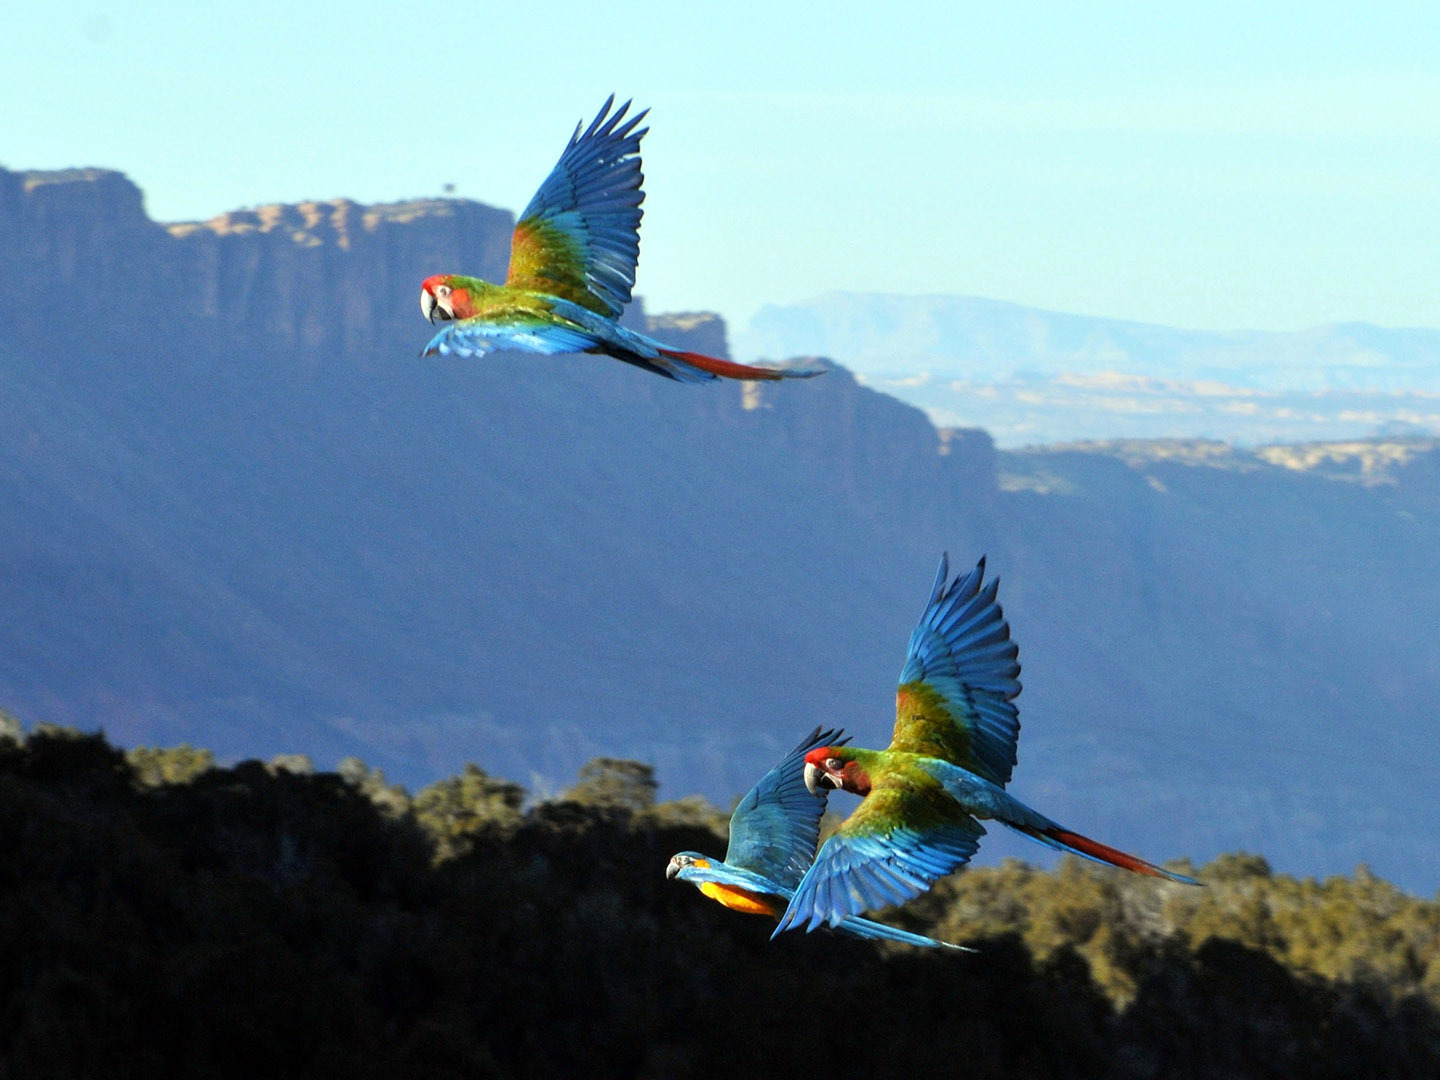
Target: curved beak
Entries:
(674, 868)
(435, 307)
(817, 780)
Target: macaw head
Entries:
(445, 297)
(684, 861)
(834, 768)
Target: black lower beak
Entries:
(818, 781)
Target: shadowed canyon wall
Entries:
(242, 512)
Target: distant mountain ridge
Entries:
(990, 340)
(242, 512)
(1035, 376)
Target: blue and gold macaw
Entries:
(773, 834)
(572, 267)
(945, 770)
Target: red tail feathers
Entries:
(728, 369)
(1083, 845)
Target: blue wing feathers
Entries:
(863, 928)
(961, 647)
(476, 337)
(853, 874)
(776, 826)
(594, 194)
(880, 932)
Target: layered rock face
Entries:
(278, 518)
(241, 512)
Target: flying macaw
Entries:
(947, 765)
(572, 267)
(773, 834)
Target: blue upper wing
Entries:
(859, 872)
(774, 830)
(580, 236)
(957, 688)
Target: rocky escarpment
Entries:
(318, 274)
(314, 275)
(242, 512)
(243, 506)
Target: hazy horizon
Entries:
(1031, 376)
(1259, 166)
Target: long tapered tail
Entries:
(1065, 840)
(875, 931)
(988, 800)
(728, 369)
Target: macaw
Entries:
(956, 726)
(572, 267)
(773, 834)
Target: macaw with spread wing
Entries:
(572, 267)
(773, 834)
(946, 768)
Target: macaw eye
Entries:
(443, 290)
(833, 763)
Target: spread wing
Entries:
(893, 847)
(774, 830)
(580, 236)
(957, 688)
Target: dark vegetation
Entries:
(160, 916)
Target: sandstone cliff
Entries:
(241, 511)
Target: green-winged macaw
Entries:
(946, 768)
(773, 834)
(572, 267)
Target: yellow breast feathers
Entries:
(742, 899)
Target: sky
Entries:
(1218, 166)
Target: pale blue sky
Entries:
(1210, 165)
